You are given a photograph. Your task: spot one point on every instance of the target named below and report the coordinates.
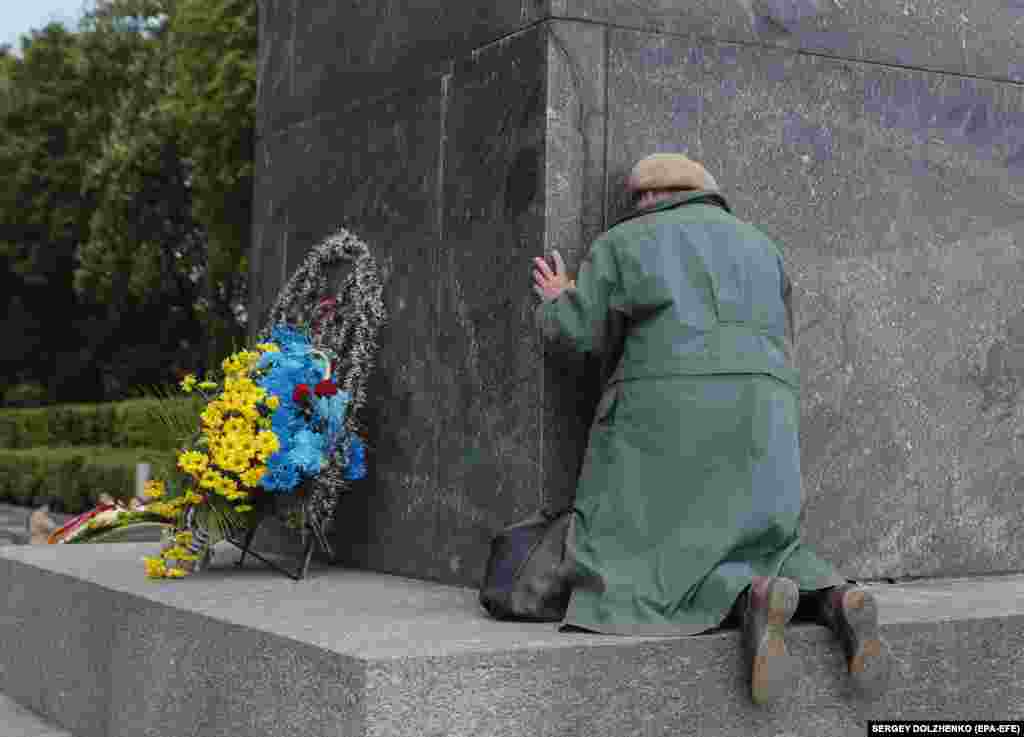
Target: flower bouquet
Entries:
(110, 522)
(278, 421)
(281, 433)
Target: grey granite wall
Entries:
(881, 143)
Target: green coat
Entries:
(691, 481)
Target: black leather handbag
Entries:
(528, 575)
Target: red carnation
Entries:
(326, 388)
(300, 393)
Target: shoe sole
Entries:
(870, 660)
(773, 669)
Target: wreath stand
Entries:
(307, 553)
(353, 342)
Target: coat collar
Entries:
(683, 198)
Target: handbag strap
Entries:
(552, 514)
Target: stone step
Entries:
(92, 644)
(17, 721)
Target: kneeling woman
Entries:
(687, 507)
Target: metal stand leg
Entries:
(310, 540)
(298, 575)
(248, 541)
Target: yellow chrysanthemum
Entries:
(245, 445)
(188, 383)
(175, 573)
(227, 487)
(228, 453)
(193, 462)
(183, 538)
(167, 510)
(212, 416)
(239, 430)
(192, 497)
(240, 362)
(253, 475)
(248, 400)
(154, 489)
(228, 405)
(237, 426)
(155, 567)
(255, 395)
(244, 508)
(208, 481)
(251, 414)
(267, 440)
(208, 385)
(269, 347)
(273, 401)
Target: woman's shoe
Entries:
(770, 604)
(852, 614)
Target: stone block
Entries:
(39, 674)
(454, 413)
(275, 64)
(266, 256)
(985, 39)
(574, 217)
(488, 407)
(21, 722)
(375, 170)
(92, 645)
(320, 57)
(882, 185)
(893, 193)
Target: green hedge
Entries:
(75, 452)
(75, 476)
(136, 423)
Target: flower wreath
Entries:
(283, 432)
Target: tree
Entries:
(213, 100)
(127, 151)
(42, 216)
(66, 98)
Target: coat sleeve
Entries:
(587, 318)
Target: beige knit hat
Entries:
(669, 171)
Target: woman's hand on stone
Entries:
(550, 284)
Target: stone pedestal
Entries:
(881, 144)
(93, 646)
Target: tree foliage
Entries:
(126, 203)
(214, 104)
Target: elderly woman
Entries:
(686, 510)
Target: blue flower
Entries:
(355, 461)
(330, 412)
(287, 337)
(307, 451)
(281, 477)
(303, 444)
